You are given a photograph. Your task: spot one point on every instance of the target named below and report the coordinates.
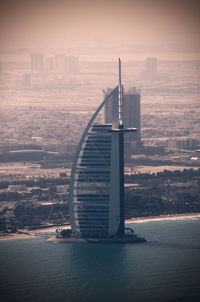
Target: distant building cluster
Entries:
(188, 143)
(50, 72)
(58, 63)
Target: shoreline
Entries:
(163, 217)
(38, 233)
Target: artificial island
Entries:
(96, 190)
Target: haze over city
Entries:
(58, 63)
(58, 60)
(153, 25)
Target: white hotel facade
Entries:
(97, 177)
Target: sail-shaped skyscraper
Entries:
(97, 176)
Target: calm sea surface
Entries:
(166, 268)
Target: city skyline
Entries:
(56, 58)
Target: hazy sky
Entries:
(71, 23)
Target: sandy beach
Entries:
(24, 233)
(44, 232)
(17, 235)
(163, 217)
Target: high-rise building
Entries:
(97, 177)
(131, 114)
(37, 62)
(151, 69)
(151, 65)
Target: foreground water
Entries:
(166, 268)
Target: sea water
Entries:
(166, 268)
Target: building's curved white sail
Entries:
(95, 179)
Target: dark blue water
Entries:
(166, 268)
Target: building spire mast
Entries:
(120, 96)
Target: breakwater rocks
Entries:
(120, 240)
